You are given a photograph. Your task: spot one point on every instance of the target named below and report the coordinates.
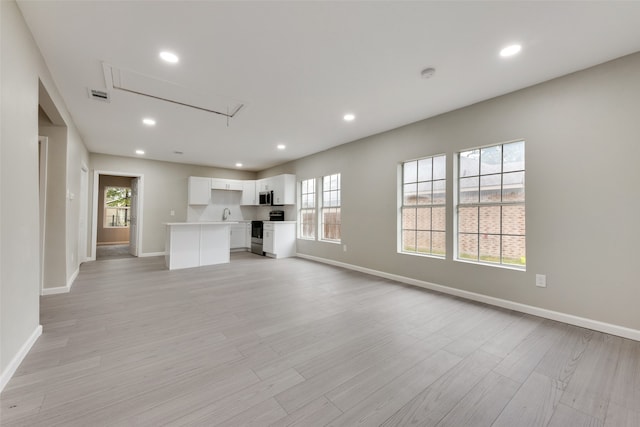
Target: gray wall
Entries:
(22, 67)
(19, 287)
(165, 189)
(55, 265)
(582, 148)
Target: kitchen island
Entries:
(194, 244)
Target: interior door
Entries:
(133, 214)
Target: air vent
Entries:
(100, 95)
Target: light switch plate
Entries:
(541, 280)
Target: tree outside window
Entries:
(117, 202)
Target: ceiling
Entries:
(298, 67)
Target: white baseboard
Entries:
(73, 278)
(54, 291)
(596, 325)
(148, 254)
(19, 357)
(62, 289)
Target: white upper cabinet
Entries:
(226, 184)
(249, 197)
(284, 189)
(199, 190)
(264, 185)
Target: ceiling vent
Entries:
(100, 95)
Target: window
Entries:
(330, 218)
(423, 211)
(491, 209)
(117, 201)
(307, 212)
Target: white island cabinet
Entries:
(193, 244)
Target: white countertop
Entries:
(203, 223)
(279, 222)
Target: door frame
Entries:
(94, 213)
(43, 144)
(84, 213)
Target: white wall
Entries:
(582, 203)
(22, 67)
(165, 189)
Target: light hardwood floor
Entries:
(292, 342)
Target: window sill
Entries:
(486, 264)
(335, 242)
(442, 257)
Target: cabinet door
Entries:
(265, 184)
(226, 184)
(284, 238)
(234, 184)
(289, 189)
(249, 193)
(199, 190)
(218, 184)
(268, 239)
(277, 184)
(247, 235)
(284, 189)
(238, 236)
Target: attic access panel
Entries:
(140, 84)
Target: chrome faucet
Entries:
(225, 214)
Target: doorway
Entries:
(116, 221)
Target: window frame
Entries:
(322, 206)
(430, 205)
(302, 209)
(480, 204)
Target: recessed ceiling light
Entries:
(238, 165)
(349, 117)
(149, 122)
(281, 146)
(169, 57)
(510, 50)
(140, 152)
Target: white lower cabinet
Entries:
(267, 238)
(239, 236)
(279, 239)
(247, 235)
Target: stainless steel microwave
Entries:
(265, 198)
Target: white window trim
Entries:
(400, 200)
(315, 199)
(321, 207)
(456, 205)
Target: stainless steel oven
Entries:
(256, 237)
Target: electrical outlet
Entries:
(541, 280)
(172, 213)
(344, 248)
